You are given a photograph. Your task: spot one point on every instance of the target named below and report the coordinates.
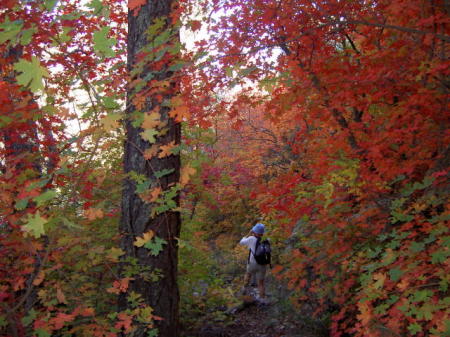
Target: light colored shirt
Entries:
(250, 242)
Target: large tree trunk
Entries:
(162, 295)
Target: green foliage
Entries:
(32, 73)
(155, 245)
(102, 43)
(9, 30)
(35, 225)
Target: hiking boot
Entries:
(243, 291)
(262, 300)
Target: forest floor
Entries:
(251, 318)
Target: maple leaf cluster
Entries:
(341, 144)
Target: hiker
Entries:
(255, 269)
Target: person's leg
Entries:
(260, 277)
(247, 279)
(261, 288)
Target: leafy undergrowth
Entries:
(243, 316)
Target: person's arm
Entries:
(246, 239)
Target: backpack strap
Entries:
(258, 239)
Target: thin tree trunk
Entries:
(161, 294)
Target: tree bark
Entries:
(161, 294)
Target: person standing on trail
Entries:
(255, 269)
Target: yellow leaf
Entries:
(140, 241)
(151, 120)
(110, 122)
(186, 172)
(114, 254)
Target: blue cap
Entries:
(258, 228)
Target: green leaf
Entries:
(155, 246)
(5, 120)
(162, 38)
(109, 102)
(149, 135)
(163, 173)
(35, 225)
(177, 66)
(155, 28)
(50, 4)
(414, 328)
(443, 284)
(392, 299)
(32, 73)
(102, 43)
(44, 197)
(135, 299)
(439, 256)
(395, 274)
(70, 224)
(396, 217)
(446, 241)
(27, 320)
(64, 36)
(26, 36)
(421, 295)
(96, 5)
(21, 204)
(143, 186)
(417, 246)
(9, 30)
(42, 333)
(426, 312)
(152, 333)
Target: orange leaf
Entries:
(125, 322)
(61, 319)
(276, 269)
(403, 284)
(166, 150)
(60, 296)
(151, 196)
(151, 152)
(180, 113)
(120, 286)
(365, 315)
(87, 312)
(179, 109)
(139, 101)
(93, 213)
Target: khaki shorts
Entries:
(258, 270)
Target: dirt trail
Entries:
(253, 319)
